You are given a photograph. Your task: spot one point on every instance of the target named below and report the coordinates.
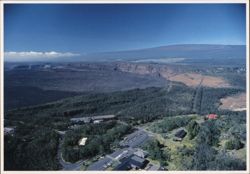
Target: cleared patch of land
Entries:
(234, 103)
(176, 73)
(194, 79)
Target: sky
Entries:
(54, 30)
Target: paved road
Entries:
(132, 141)
(101, 164)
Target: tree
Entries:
(209, 133)
(157, 152)
(193, 129)
(234, 143)
(203, 156)
(224, 161)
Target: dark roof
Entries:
(135, 139)
(124, 165)
(181, 133)
(137, 161)
(127, 163)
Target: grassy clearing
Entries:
(166, 139)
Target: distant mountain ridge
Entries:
(189, 51)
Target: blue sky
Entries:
(80, 29)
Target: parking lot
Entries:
(101, 164)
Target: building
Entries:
(81, 120)
(179, 135)
(141, 153)
(124, 165)
(95, 119)
(135, 139)
(137, 162)
(212, 116)
(103, 117)
(82, 141)
(8, 130)
(133, 162)
(60, 132)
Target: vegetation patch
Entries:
(157, 151)
(169, 123)
(102, 138)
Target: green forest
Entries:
(35, 143)
(101, 139)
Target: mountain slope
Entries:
(189, 51)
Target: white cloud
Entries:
(33, 55)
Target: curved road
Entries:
(67, 166)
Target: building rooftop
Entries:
(82, 141)
(141, 153)
(103, 117)
(92, 118)
(138, 159)
(181, 133)
(8, 130)
(212, 116)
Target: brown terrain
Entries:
(234, 103)
(174, 74)
(194, 79)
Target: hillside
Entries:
(133, 107)
(49, 82)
